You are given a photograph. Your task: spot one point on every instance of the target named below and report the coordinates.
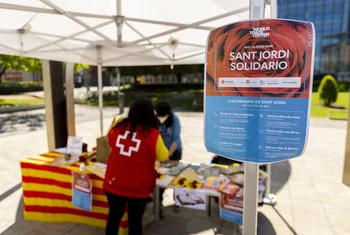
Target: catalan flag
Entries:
(47, 193)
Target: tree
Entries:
(9, 62)
(328, 90)
(178, 70)
(80, 67)
(181, 69)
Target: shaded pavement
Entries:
(311, 197)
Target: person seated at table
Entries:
(131, 176)
(169, 129)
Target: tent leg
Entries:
(119, 21)
(48, 105)
(70, 99)
(250, 201)
(100, 92)
(273, 7)
(121, 98)
(346, 169)
(269, 198)
(118, 80)
(251, 170)
(55, 104)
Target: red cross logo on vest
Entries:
(127, 146)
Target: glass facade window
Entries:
(331, 19)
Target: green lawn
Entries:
(320, 111)
(13, 102)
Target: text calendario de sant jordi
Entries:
(258, 87)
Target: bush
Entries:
(328, 90)
(15, 88)
(344, 86)
(23, 82)
(315, 85)
(167, 87)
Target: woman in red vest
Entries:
(131, 176)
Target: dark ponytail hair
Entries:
(141, 114)
(163, 108)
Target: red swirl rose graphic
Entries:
(258, 49)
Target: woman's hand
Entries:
(172, 149)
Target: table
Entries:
(164, 183)
(47, 193)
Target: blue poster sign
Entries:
(258, 87)
(231, 208)
(81, 191)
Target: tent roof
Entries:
(67, 30)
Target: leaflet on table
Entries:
(81, 191)
(61, 150)
(229, 188)
(194, 199)
(97, 168)
(214, 182)
(75, 146)
(258, 85)
(175, 170)
(187, 178)
(206, 171)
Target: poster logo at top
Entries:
(258, 87)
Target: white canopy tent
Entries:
(132, 32)
(114, 32)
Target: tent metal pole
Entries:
(191, 44)
(166, 23)
(149, 41)
(10, 48)
(77, 20)
(9, 31)
(136, 53)
(120, 94)
(118, 80)
(69, 37)
(49, 112)
(119, 21)
(346, 168)
(100, 92)
(190, 56)
(70, 99)
(251, 170)
(190, 25)
(71, 49)
(273, 6)
(269, 198)
(93, 60)
(119, 7)
(58, 36)
(15, 7)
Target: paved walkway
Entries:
(311, 198)
(78, 92)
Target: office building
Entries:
(331, 20)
